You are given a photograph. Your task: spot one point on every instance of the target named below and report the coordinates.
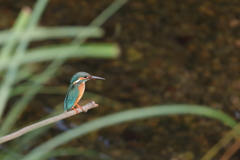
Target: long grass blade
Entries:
(18, 107)
(8, 154)
(37, 12)
(5, 86)
(76, 152)
(12, 37)
(234, 133)
(103, 17)
(68, 51)
(8, 80)
(126, 116)
(42, 33)
(27, 140)
(29, 137)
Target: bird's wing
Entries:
(71, 97)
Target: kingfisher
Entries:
(76, 90)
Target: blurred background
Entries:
(171, 52)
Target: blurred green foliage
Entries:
(15, 56)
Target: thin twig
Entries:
(34, 126)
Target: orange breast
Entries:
(81, 89)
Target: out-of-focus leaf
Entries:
(43, 33)
(68, 51)
(74, 152)
(126, 116)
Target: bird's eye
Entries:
(86, 77)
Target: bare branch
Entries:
(34, 126)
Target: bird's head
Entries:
(82, 77)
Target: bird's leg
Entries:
(80, 107)
(75, 110)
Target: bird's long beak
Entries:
(95, 77)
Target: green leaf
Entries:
(75, 152)
(11, 42)
(43, 33)
(8, 80)
(19, 106)
(126, 116)
(67, 51)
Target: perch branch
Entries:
(34, 126)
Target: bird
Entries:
(76, 90)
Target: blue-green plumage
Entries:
(71, 96)
(76, 89)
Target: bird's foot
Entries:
(80, 107)
(75, 110)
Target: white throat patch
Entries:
(76, 81)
